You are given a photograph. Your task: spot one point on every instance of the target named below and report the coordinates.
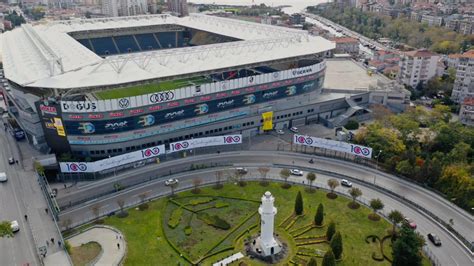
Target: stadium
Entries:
(103, 87)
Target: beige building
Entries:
(346, 45)
(466, 113)
(464, 83)
(417, 67)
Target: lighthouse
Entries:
(267, 242)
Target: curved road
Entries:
(452, 252)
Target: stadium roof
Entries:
(47, 56)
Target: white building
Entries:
(110, 8)
(178, 7)
(464, 83)
(417, 66)
(114, 8)
(267, 241)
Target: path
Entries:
(107, 238)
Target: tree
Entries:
(121, 204)
(285, 174)
(355, 193)
(332, 184)
(329, 259)
(395, 217)
(376, 205)
(240, 177)
(143, 196)
(96, 210)
(407, 248)
(219, 176)
(39, 168)
(310, 177)
(196, 183)
(336, 245)
(312, 262)
(6, 229)
(319, 216)
(299, 204)
(173, 186)
(331, 230)
(263, 173)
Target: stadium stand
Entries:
(126, 44)
(166, 39)
(103, 46)
(147, 41)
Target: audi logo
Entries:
(232, 139)
(161, 96)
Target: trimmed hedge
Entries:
(214, 220)
(188, 230)
(202, 200)
(175, 218)
(221, 204)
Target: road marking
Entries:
(454, 261)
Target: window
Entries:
(114, 150)
(109, 151)
(92, 152)
(358, 100)
(200, 133)
(207, 132)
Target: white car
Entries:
(346, 183)
(280, 132)
(171, 181)
(15, 226)
(294, 129)
(3, 177)
(296, 172)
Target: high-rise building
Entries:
(178, 7)
(464, 83)
(110, 8)
(133, 7)
(417, 67)
(466, 112)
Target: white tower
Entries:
(267, 211)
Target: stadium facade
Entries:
(104, 87)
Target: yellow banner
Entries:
(267, 120)
(59, 127)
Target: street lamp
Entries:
(377, 163)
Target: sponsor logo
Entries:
(201, 109)
(174, 114)
(291, 90)
(268, 95)
(308, 86)
(116, 125)
(77, 167)
(231, 139)
(251, 79)
(124, 103)
(225, 104)
(250, 99)
(276, 74)
(360, 150)
(180, 145)
(303, 140)
(150, 152)
(86, 128)
(161, 97)
(146, 120)
(301, 71)
(48, 109)
(80, 106)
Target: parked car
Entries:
(434, 239)
(346, 183)
(11, 160)
(294, 129)
(241, 170)
(410, 223)
(280, 132)
(3, 177)
(171, 181)
(15, 226)
(296, 172)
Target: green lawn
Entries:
(150, 88)
(85, 253)
(147, 245)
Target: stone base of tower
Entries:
(255, 249)
(268, 249)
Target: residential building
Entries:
(133, 7)
(466, 26)
(453, 60)
(110, 8)
(466, 113)
(464, 84)
(432, 20)
(346, 45)
(178, 7)
(417, 67)
(297, 19)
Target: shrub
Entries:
(330, 231)
(175, 218)
(312, 262)
(299, 204)
(214, 220)
(188, 230)
(352, 125)
(143, 206)
(336, 245)
(221, 204)
(329, 259)
(200, 200)
(319, 216)
(122, 214)
(67, 246)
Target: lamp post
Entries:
(377, 163)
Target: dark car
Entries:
(11, 160)
(434, 239)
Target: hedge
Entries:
(221, 204)
(214, 220)
(202, 200)
(175, 218)
(188, 230)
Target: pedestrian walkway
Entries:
(230, 259)
(110, 239)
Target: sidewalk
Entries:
(108, 238)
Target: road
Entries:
(451, 253)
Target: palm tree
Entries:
(395, 217)
(311, 177)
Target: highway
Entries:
(452, 252)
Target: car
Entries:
(280, 132)
(171, 181)
(241, 170)
(3, 177)
(294, 129)
(346, 183)
(434, 239)
(53, 193)
(15, 226)
(296, 172)
(11, 160)
(410, 223)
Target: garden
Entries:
(206, 225)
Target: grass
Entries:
(147, 246)
(85, 253)
(149, 88)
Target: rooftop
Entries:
(420, 53)
(344, 40)
(468, 101)
(469, 54)
(46, 56)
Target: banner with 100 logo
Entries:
(354, 149)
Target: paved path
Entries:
(108, 239)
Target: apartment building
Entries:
(466, 113)
(464, 84)
(417, 67)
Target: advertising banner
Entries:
(205, 142)
(354, 149)
(267, 120)
(97, 166)
(58, 124)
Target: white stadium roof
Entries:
(47, 56)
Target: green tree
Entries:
(329, 259)
(331, 230)
(299, 204)
(332, 184)
(319, 216)
(405, 168)
(355, 193)
(395, 217)
(6, 229)
(312, 262)
(376, 205)
(336, 245)
(310, 177)
(458, 185)
(407, 248)
(285, 174)
(384, 138)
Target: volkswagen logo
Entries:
(124, 103)
(161, 97)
